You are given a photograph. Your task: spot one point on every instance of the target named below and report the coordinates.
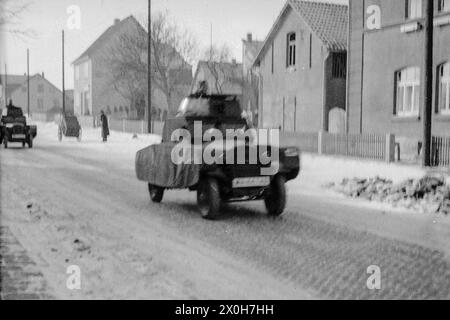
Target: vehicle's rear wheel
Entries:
(156, 193)
(208, 198)
(275, 197)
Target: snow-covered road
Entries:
(71, 203)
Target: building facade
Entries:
(386, 69)
(302, 68)
(45, 98)
(96, 87)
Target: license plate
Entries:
(251, 182)
(18, 136)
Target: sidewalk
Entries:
(20, 278)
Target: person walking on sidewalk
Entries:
(105, 127)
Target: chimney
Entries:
(116, 21)
(249, 37)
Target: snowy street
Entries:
(80, 203)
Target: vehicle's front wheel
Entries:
(275, 197)
(156, 193)
(208, 198)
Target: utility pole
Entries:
(428, 81)
(149, 68)
(6, 86)
(28, 82)
(63, 83)
(211, 42)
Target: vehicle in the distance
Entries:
(69, 127)
(241, 179)
(14, 128)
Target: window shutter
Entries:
(406, 9)
(394, 111)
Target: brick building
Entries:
(302, 67)
(385, 84)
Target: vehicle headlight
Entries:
(291, 152)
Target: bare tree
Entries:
(220, 66)
(10, 17)
(173, 49)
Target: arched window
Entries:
(444, 88)
(407, 92)
(291, 49)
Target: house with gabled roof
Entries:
(96, 85)
(93, 90)
(302, 68)
(45, 97)
(222, 77)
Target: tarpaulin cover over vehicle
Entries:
(71, 127)
(154, 165)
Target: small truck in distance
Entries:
(14, 128)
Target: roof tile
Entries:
(328, 21)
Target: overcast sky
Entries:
(231, 21)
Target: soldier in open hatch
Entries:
(13, 111)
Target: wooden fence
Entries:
(368, 146)
(440, 151)
(134, 126)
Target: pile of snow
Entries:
(428, 194)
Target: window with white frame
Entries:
(444, 5)
(407, 92)
(444, 88)
(291, 49)
(86, 70)
(413, 9)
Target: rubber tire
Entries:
(275, 198)
(30, 142)
(156, 193)
(208, 198)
